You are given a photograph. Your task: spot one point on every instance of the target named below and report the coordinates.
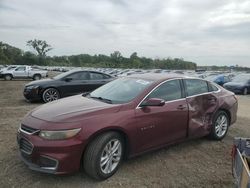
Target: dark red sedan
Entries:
(121, 119)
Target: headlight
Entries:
(59, 135)
(32, 87)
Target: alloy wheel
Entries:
(50, 94)
(111, 156)
(221, 125)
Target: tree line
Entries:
(13, 55)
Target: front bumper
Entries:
(32, 94)
(54, 157)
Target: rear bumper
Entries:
(233, 111)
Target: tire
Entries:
(110, 147)
(220, 125)
(7, 77)
(37, 77)
(245, 91)
(50, 94)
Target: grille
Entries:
(29, 129)
(25, 146)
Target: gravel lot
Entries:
(196, 163)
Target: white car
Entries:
(23, 71)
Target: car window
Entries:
(79, 76)
(170, 90)
(20, 69)
(212, 87)
(97, 76)
(196, 86)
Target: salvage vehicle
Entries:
(23, 72)
(240, 84)
(122, 119)
(65, 84)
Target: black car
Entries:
(240, 84)
(65, 84)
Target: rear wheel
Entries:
(245, 91)
(7, 77)
(220, 125)
(103, 156)
(37, 77)
(50, 94)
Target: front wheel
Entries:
(50, 95)
(220, 125)
(103, 156)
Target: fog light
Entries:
(47, 162)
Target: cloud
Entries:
(199, 31)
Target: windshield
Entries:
(241, 78)
(121, 90)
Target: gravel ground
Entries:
(196, 163)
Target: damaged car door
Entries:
(202, 104)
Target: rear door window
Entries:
(195, 86)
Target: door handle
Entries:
(181, 107)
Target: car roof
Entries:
(87, 70)
(158, 76)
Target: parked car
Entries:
(23, 72)
(240, 84)
(65, 84)
(218, 79)
(6, 69)
(124, 118)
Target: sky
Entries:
(207, 32)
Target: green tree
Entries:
(40, 46)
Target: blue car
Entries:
(240, 84)
(218, 79)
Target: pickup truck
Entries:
(22, 71)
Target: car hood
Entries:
(72, 109)
(236, 84)
(39, 82)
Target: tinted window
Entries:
(170, 90)
(79, 76)
(96, 76)
(196, 86)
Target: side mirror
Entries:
(68, 79)
(153, 102)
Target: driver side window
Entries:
(168, 91)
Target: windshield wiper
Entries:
(101, 99)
